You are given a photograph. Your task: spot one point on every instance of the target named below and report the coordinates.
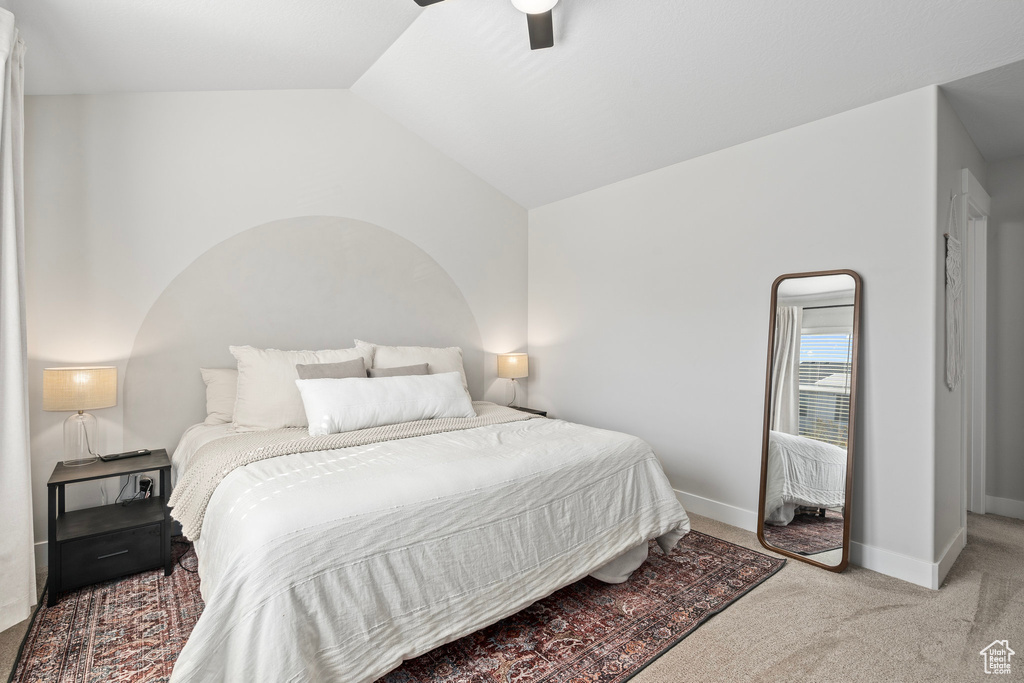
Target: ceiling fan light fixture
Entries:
(534, 6)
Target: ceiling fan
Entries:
(538, 20)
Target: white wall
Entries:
(955, 151)
(649, 305)
(124, 191)
(1005, 466)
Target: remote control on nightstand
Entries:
(126, 454)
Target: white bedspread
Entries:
(802, 471)
(195, 437)
(337, 565)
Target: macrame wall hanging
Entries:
(954, 303)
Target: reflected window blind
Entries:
(825, 387)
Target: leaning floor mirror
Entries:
(810, 399)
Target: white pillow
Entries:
(221, 387)
(438, 360)
(267, 395)
(341, 405)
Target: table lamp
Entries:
(513, 366)
(79, 389)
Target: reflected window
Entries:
(825, 361)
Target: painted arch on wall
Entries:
(313, 282)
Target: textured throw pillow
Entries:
(221, 387)
(343, 405)
(439, 360)
(267, 395)
(418, 369)
(343, 370)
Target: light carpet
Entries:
(807, 624)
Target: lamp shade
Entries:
(513, 365)
(534, 6)
(79, 388)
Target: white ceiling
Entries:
(991, 105)
(117, 46)
(630, 86)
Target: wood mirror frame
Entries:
(850, 424)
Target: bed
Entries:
(802, 472)
(338, 563)
(335, 564)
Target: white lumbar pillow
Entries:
(267, 396)
(438, 360)
(342, 405)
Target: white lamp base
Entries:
(78, 432)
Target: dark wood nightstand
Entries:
(96, 544)
(542, 413)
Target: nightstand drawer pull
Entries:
(120, 552)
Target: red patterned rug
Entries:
(808, 534)
(133, 629)
(599, 633)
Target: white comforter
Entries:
(337, 565)
(194, 438)
(802, 471)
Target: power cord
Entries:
(127, 501)
(141, 495)
(187, 544)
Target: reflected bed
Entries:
(802, 472)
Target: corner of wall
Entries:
(954, 150)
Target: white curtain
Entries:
(17, 562)
(785, 398)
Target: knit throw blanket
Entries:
(217, 459)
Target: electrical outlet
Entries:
(136, 487)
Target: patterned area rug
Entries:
(808, 534)
(599, 633)
(133, 629)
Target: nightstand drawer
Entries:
(108, 556)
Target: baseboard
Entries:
(41, 558)
(949, 556)
(722, 512)
(896, 565)
(882, 561)
(1007, 507)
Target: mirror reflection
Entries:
(812, 366)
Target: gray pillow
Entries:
(343, 370)
(418, 369)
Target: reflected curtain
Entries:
(785, 398)
(17, 562)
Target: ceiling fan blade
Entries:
(542, 30)
(424, 3)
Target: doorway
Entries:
(973, 220)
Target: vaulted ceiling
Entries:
(991, 106)
(630, 85)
